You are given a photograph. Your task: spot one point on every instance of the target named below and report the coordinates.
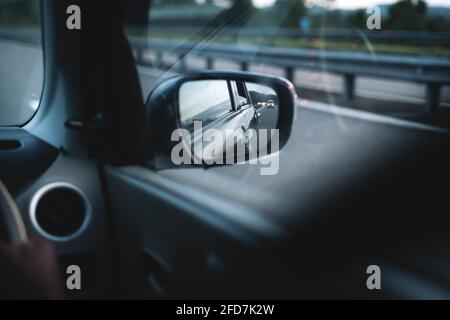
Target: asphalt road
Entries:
(331, 153)
(329, 145)
(21, 65)
(330, 149)
(21, 74)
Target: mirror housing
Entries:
(162, 116)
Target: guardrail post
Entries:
(159, 60)
(433, 95)
(137, 55)
(289, 73)
(244, 66)
(349, 87)
(140, 53)
(209, 63)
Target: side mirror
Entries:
(214, 118)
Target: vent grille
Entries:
(59, 211)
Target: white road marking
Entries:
(328, 108)
(371, 117)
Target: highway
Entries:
(381, 89)
(21, 65)
(329, 143)
(21, 74)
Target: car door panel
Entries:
(89, 247)
(182, 215)
(193, 232)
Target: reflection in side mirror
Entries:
(217, 117)
(240, 112)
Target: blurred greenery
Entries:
(407, 15)
(410, 15)
(314, 44)
(19, 12)
(288, 12)
(404, 15)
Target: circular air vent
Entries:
(60, 211)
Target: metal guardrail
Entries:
(352, 35)
(433, 72)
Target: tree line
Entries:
(405, 15)
(19, 12)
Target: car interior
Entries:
(90, 172)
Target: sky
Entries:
(352, 4)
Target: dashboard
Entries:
(60, 198)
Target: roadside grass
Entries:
(437, 51)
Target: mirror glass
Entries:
(228, 114)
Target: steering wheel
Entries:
(11, 222)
